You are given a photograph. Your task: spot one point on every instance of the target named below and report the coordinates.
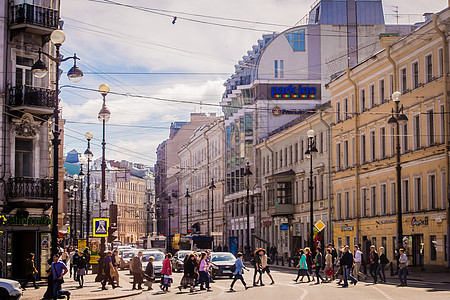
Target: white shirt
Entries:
(403, 259)
(358, 256)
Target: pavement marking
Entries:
(305, 292)
(381, 292)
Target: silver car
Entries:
(10, 289)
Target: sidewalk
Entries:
(439, 277)
(91, 290)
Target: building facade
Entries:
(364, 161)
(202, 167)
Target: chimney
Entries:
(388, 38)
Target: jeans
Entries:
(402, 273)
(256, 274)
(348, 276)
(380, 272)
(204, 279)
(75, 276)
(236, 277)
(318, 274)
(57, 289)
(373, 271)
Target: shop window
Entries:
(433, 247)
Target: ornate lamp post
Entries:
(398, 119)
(309, 154)
(88, 154)
(75, 74)
(74, 189)
(187, 196)
(247, 175)
(212, 187)
(81, 177)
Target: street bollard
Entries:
(282, 261)
(289, 261)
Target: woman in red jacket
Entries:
(166, 273)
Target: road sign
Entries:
(284, 226)
(101, 227)
(320, 225)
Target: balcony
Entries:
(33, 18)
(282, 209)
(27, 189)
(32, 99)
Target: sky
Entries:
(151, 63)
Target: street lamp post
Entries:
(88, 154)
(212, 187)
(81, 177)
(187, 210)
(247, 175)
(397, 119)
(74, 188)
(103, 116)
(170, 214)
(309, 154)
(75, 74)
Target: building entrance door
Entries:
(418, 247)
(23, 243)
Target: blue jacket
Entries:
(239, 266)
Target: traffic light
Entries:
(111, 234)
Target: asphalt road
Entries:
(285, 289)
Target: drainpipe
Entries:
(330, 182)
(221, 126)
(434, 17)
(271, 173)
(394, 67)
(356, 116)
(208, 180)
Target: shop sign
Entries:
(101, 227)
(45, 241)
(81, 244)
(278, 111)
(346, 228)
(284, 221)
(266, 223)
(293, 91)
(416, 222)
(30, 221)
(284, 226)
(388, 221)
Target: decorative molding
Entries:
(26, 126)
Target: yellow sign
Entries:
(81, 245)
(320, 225)
(100, 227)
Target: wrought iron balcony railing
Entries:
(27, 187)
(33, 14)
(32, 96)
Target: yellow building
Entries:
(364, 154)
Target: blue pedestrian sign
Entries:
(101, 227)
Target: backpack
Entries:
(233, 268)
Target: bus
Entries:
(195, 242)
(158, 242)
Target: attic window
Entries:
(296, 39)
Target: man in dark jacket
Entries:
(318, 263)
(137, 271)
(150, 272)
(75, 262)
(347, 263)
(108, 269)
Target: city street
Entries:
(285, 288)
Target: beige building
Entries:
(202, 160)
(285, 178)
(364, 156)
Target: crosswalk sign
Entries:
(101, 227)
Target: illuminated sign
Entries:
(293, 91)
(29, 221)
(278, 111)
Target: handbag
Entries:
(402, 266)
(61, 281)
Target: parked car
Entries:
(178, 260)
(157, 263)
(10, 289)
(221, 264)
(125, 259)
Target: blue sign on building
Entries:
(284, 226)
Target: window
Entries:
(415, 73)
(441, 62)
(279, 68)
(345, 109)
(286, 156)
(442, 121)
(302, 150)
(303, 191)
(372, 146)
(338, 206)
(321, 186)
(338, 112)
(23, 71)
(23, 158)
(296, 152)
(353, 203)
(403, 80)
(404, 137)
(433, 247)
(417, 194)
(345, 154)
(296, 39)
(405, 195)
(393, 202)
(430, 121)
(383, 142)
(416, 124)
(382, 91)
(321, 143)
(391, 84)
(338, 156)
(372, 95)
(362, 101)
(432, 191)
(353, 151)
(276, 160)
(281, 158)
(429, 68)
(363, 202)
(383, 199)
(373, 200)
(363, 149)
(346, 205)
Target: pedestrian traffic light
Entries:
(111, 234)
